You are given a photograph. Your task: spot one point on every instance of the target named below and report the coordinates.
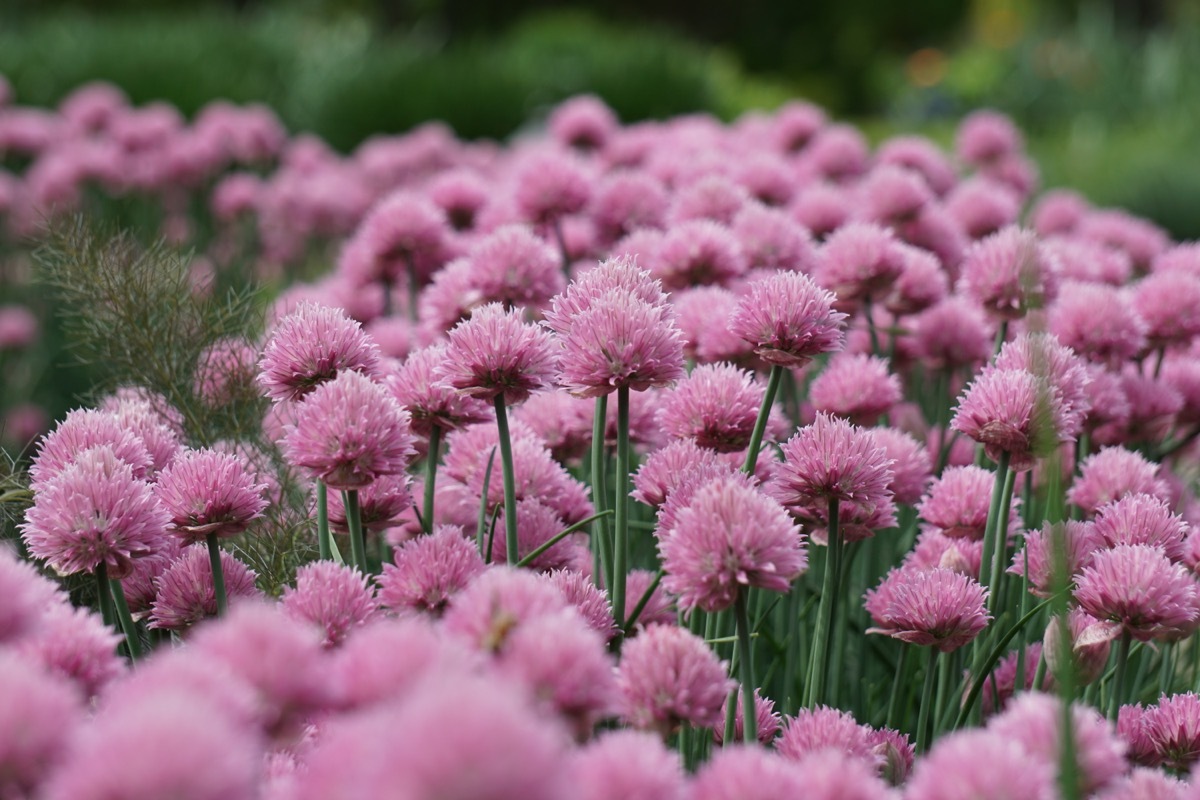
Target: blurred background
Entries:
(1108, 91)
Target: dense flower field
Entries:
(667, 460)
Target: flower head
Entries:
(311, 346)
(592, 602)
(627, 765)
(333, 597)
(1110, 475)
(664, 469)
(668, 676)
(788, 319)
(1078, 542)
(980, 764)
(537, 524)
(38, 710)
(381, 504)
(952, 334)
(74, 644)
(855, 386)
(94, 512)
(1098, 322)
(495, 353)
(429, 571)
(207, 492)
(349, 432)
(957, 502)
(551, 185)
(416, 386)
(825, 728)
(986, 136)
(772, 239)
(1142, 519)
(496, 603)
(185, 593)
(860, 261)
(730, 536)
(716, 406)
(80, 431)
(1013, 412)
(937, 607)
(513, 266)
(1134, 589)
(698, 252)
(1008, 273)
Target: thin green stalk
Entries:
(358, 542)
(926, 702)
(558, 537)
(414, 288)
(749, 716)
(1001, 550)
(1001, 337)
(820, 646)
(600, 540)
(510, 483)
(324, 537)
(991, 532)
(1118, 693)
(103, 595)
(943, 688)
(1166, 668)
(643, 601)
(431, 465)
(621, 505)
(791, 657)
(898, 681)
(481, 521)
(760, 424)
(128, 627)
(876, 350)
(218, 574)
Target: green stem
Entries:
(431, 465)
(820, 646)
(600, 540)
(926, 702)
(792, 654)
(481, 521)
(218, 574)
(558, 537)
(750, 718)
(358, 542)
(324, 538)
(876, 350)
(760, 424)
(644, 600)
(943, 689)
(103, 595)
(1118, 694)
(510, 483)
(132, 640)
(1001, 551)
(621, 505)
(990, 531)
(898, 680)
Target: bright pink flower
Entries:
(664, 469)
(911, 464)
(1009, 273)
(982, 206)
(934, 550)
(496, 603)
(1173, 730)
(496, 353)
(1033, 721)
(764, 713)
(403, 237)
(1014, 412)
(80, 431)
(169, 743)
(37, 713)
(920, 155)
(825, 728)
(1168, 302)
(627, 765)
(952, 334)
(76, 645)
(772, 239)
(698, 252)
(716, 405)
(729, 536)
(1079, 542)
(537, 523)
(349, 432)
(334, 598)
(513, 266)
(381, 504)
(860, 261)
(834, 460)
(788, 319)
(207, 492)
(1134, 589)
(892, 194)
(1110, 475)
(1098, 322)
(986, 136)
(1044, 356)
(957, 502)
(591, 602)
(938, 607)
(855, 386)
(1142, 519)
(416, 386)
(185, 593)
(94, 512)
(313, 345)
(550, 185)
(1058, 211)
(429, 571)
(669, 676)
(983, 766)
(923, 283)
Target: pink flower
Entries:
(1014, 412)
(911, 465)
(169, 743)
(496, 603)
(381, 504)
(834, 460)
(349, 432)
(185, 593)
(495, 353)
(616, 331)
(1111, 474)
(1042, 355)
(824, 728)
(922, 284)
(1098, 322)
(933, 549)
(938, 607)
(837, 153)
(1009, 273)
(551, 185)
(37, 712)
(730, 535)
(415, 386)
(860, 261)
(591, 602)
(226, 371)
(668, 676)
(698, 252)
(627, 765)
(985, 137)
(80, 431)
(952, 334)
(957, 502)
(207, 492)
(857, 387)
(922, 156)
(772, 239)
(893, 194)
(1142, 519)
(767, 718)
(1138, 238)
(1034, 720)
(584, 122)
(18, 327)
(513, 266)
(982, 206)
(1167, 301)
(664, 469)
(660, 608)
(403, 236)
(822, 208)
(73, 644)
(716, 406)
(625, 201)
(981, 765)
(335, 598)
(1058, 211)
(711, 197)
(537, 523)
(1090, 262)
(1079, 541)
(313, 345)
(1142, 783)
(429, 571)
(1134, 589)
(1089, 659)
(1173, 730)
(461, 194)
(788, 319)
(94, 512)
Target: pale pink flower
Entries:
(1014, 412)
(1098, 322)
(513, 266)
(664, 469)
(381, 504)
(712, 197)
(429, 571)
(487, 612)
(1079, 543)
(313, 345)
(495, 353)
(1111, 474)
(892, 194)
(860, 261)
(858, 387)
(952, 334)
(668, 676)
(788, 319)
(38, 712)
(1142, 519)
(627, 765)
(1044, 356)
(981, 765)
(1089, 659)
(1173, 730)
(772, 239)
(591, 602)
(912, 467)
(982, 206)
(334, 598)
(550, 185)
(825, 728)
(920, 155)
(80, 431)
(716, 406)
(1009, 273)
(537, 523)
(939, 607)
(1139, 238)
(697, 252)
(184, 593)
(416, 386)
(986, 136)
(933, 549)
(767, 718)
(626, 201)
(922, 284)
(1089, 262)
(957, 502)
(1058, 211)
(1168, 302)
(207, 492)
(822, 208)
(76, 645)
(25, 594)
(1133, 589)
